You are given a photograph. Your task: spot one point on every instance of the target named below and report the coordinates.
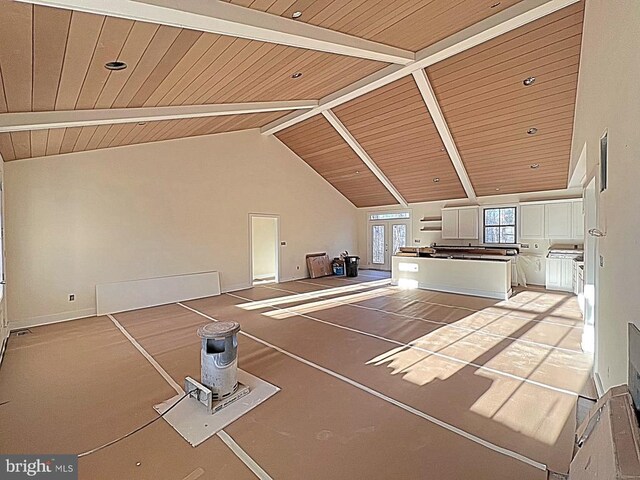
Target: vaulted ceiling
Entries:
(451, 119)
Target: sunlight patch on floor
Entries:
(326, 304)
(300, 297)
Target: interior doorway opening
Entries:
(264, 249)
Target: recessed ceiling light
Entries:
(115, 65)
(534, 165)
(296, 75)
(497, 189)
(495, 4)
(357, 172)
(532, 131)
(436, 180)
(529, 81)
(297, 14)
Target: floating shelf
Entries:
(431, 219)
(431, 229)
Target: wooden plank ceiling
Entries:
(394, 127)
(408, 24)
(489, 110)
(318, 144)
(39, 143)
(53, 59)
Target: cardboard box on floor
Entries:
(608, 440)
(319, 265)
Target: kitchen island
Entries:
(489, 278)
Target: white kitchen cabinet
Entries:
(559, 274)
(532, 221)
(450, 223)
(460, 223)
(468, 223)
(557, 220)
(577, 220)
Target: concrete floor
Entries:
(376, 382)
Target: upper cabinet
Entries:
(556, 220)
(468, 223)
(578, 220)
(532, 221)
(460, 223)
(450, 223)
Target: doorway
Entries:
(265, 249)
(385, 239)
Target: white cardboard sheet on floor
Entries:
(195, 424)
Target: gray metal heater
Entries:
(218, 386)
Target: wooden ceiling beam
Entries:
(364, 156)
(439, 121)
(23, 121)
(505, 21)
(223, 18)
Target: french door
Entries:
(385, 239)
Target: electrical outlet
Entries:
(72, 297)
(297, 267)
(524, 245)
(417, 240)
(283, 244)
(601, 261)
(535, 245)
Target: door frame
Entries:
(277, 252)
(388, 225)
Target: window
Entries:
(500, 225)
(388, 216)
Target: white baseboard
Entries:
(53, 318)
(598, 381)
(293, 279)
(236, 287)
(4, 338)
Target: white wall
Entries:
(181, 206)
(609, 99)
(264, 235)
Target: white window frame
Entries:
(492, 207)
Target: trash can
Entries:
(351, 265)
(219, 358)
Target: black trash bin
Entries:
(351, 265)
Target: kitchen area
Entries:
(488, 250)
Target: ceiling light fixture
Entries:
(296, 75)
(534, 165)
(115, 65)
(532, 131)
(497, 189)
(529, 81)
(436, 180)
(295, 15)
(495, 4)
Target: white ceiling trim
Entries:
(505, 21)
(223, 18)
(364, 156)
(16, 122)
(439, 121)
